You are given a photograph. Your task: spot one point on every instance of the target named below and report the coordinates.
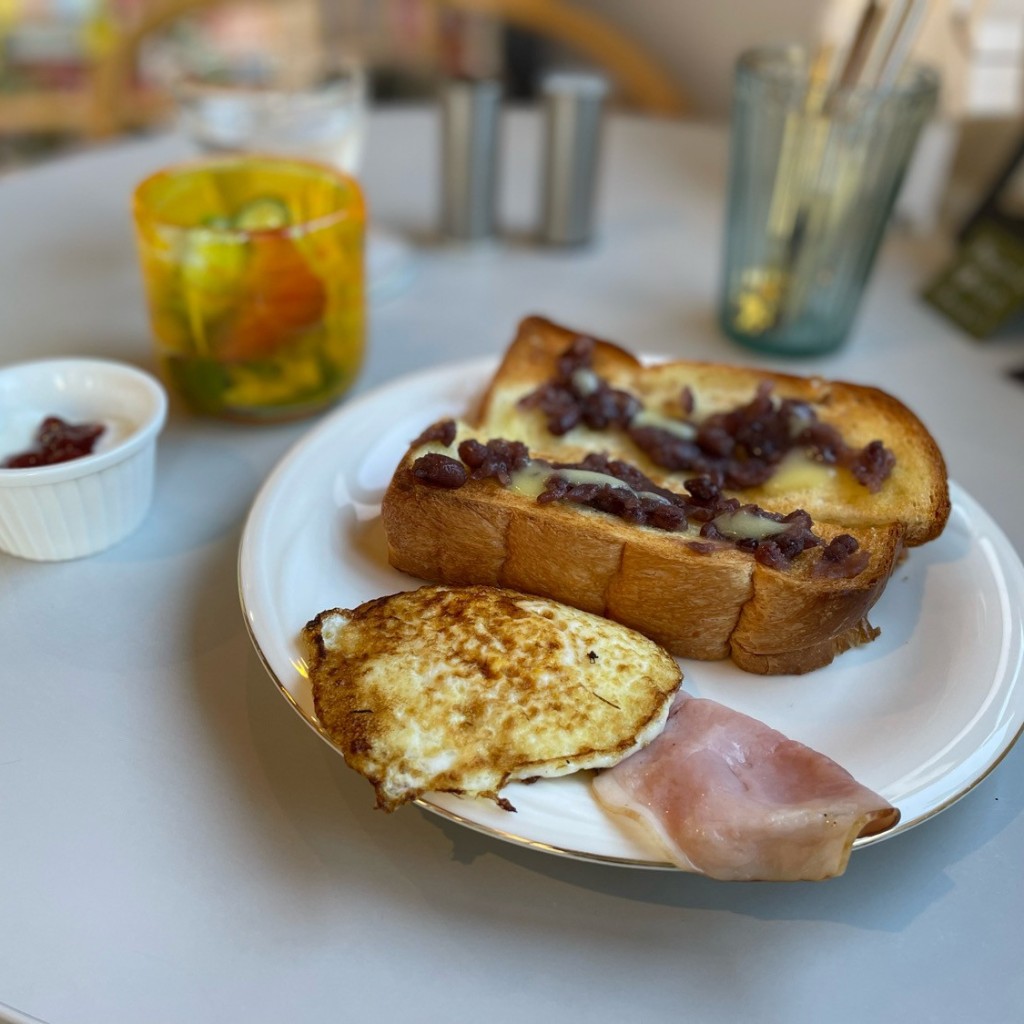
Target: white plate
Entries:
(920, 715)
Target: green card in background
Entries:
(983, 288)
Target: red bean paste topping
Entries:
(440, 471)
(57, 441)
(498, 459)
(642, 502)
(841, 558)
(576, 395)
(443, 432)
(740, 448)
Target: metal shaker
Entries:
(470, 110)
(573, 114)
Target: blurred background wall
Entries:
(699, 41)
(48, 49)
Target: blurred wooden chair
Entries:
(635, 75)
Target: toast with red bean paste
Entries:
(723, 511)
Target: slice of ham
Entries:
(733, 799)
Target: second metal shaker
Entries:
(573, 113)
(470, 111)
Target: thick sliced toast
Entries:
(697, 599)
(915, 494)
(855, 459)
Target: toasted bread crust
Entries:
(916, 495)
(697, 604)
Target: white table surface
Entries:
(177, 846)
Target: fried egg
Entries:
(462, 689)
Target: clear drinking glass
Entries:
(315, 109)
(812, 183)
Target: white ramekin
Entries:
(79, 507)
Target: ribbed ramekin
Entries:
(77, 508)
